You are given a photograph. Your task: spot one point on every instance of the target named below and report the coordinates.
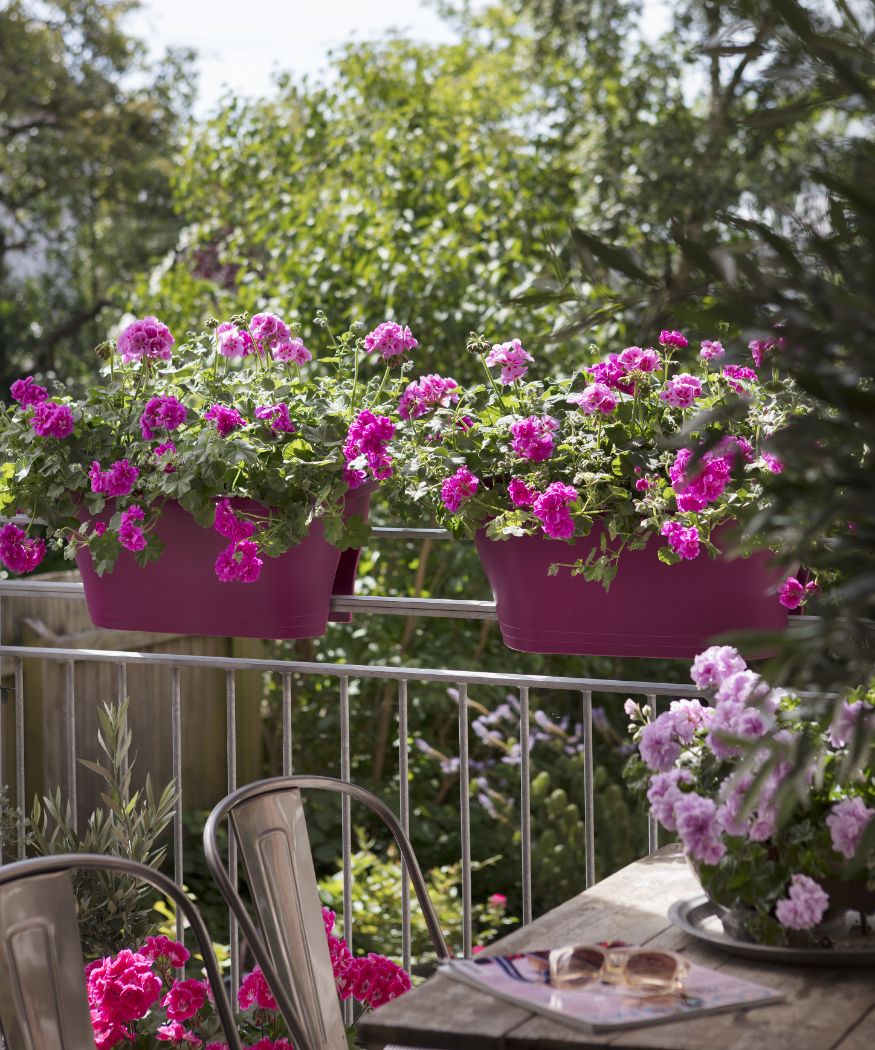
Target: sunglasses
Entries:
(641, 969)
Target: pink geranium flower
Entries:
(511, 358)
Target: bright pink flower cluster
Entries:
(682, 540)
(239, 561)
(52, 420)
(184, 999)
(711, 350)
(280, 420)
(118, 480)
(617, 370)
(147, 338)
(373, 980)
(551, 509)
(130, 533)
(161, 947)
(28, 393)
(233, 341)
(681, 390)
(292, 350)
(760, 347)
(176, 1033)
(804, 905)
(17, 552)
(227, 419)
(121, 988)
(426, 393)
(677, 339)
(161, 413)
(227, 524)
(390, 340)
(167, 448)
(737, 375)
(532, 437)
(520, 493)
(793, 593)
(637, 359)
(457, 489)
(597, 397)
(707, 485)
(269, 331)
(511, 358)
(368, 436)
(254, 991)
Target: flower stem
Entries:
(491, 378)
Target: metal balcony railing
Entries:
(343, 675)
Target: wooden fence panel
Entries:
(64, 623)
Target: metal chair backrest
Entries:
(270, 828)
(43, 998)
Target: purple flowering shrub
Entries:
(556, 755)
(240, 411)
(136, 999)
(520, 454)
(770, 807)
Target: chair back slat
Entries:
(43, 1001)
(271, 832)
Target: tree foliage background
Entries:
(557, 175)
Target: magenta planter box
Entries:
(181, 593)
(652, 609)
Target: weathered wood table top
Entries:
(825, 1009)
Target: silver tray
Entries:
(699, 917)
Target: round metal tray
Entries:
(698, 917)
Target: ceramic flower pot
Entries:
(181, 593)
(651, 610)
(845, 896)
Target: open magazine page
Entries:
(598, 1007)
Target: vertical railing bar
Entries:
(287, 725)
(404, 801)
(19, 753)
(176, 758)
(588, 792)
(121, 695)
(652, 825)
(465, 820)
(525, 806)
(346, 828)
(70, 720)
(231, 759)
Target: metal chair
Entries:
(269, 826)
(43, 1000)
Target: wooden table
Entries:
(825, 1009)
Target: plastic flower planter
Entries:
(651, 610)
(181, 593)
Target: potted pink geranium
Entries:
(219, 486)
(774, 811)
(602, 504)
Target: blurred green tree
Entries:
(88, 133)
(420, 183)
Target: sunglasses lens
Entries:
(575, 965)
(587, 962)
(651, 969)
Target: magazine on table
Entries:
(597, 1006)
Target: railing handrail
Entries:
(451, 677)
